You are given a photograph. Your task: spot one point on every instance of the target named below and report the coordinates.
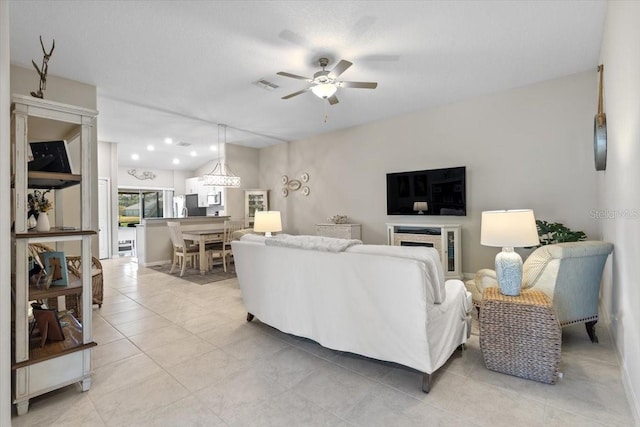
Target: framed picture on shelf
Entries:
(55, 264)
(48, 323)
(50, 156)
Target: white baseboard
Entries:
(632, 398)
(634, 401)
(154, 263)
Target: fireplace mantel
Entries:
(445, 238)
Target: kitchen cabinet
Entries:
(196, 185)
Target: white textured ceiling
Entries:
(177, 68)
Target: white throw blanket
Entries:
(315, 243)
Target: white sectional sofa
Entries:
(385, 302)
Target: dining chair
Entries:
(230, 227)
(181, 251)
(215, 250)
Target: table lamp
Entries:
(420, 207)
(509, 229)
(267, 222)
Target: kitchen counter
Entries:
(153, 243)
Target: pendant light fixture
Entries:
(221, 176)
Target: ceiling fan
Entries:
(326, 83)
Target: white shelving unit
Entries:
(254, 200)
(444, 238)
(37, 370)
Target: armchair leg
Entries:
(249, 317)
(591, 330)
(426, 382)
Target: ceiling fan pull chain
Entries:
(326, 113)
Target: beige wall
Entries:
(618, 187)
(525, 148)
(26, 80)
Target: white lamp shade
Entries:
(512, 228)
(324, 90)
(420, 206)
(267, 222)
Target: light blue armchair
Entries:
(569, 273)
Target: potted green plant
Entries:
(555, 232)
(550, 233)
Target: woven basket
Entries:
(520, 335)
(74, 265)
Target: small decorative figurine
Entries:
(43, 70)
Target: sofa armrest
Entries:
(485, 278)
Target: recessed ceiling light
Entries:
(135, 157)
(213, 148)
(193, 154)
(176, 161)
(150, 147)
(168, 141)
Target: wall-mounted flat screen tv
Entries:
(427, 192)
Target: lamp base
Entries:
(268, 234)
(509, 272)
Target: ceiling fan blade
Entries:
(360, 85)
(293, 76)
(291, 95)
(332, 99)
(340, 68)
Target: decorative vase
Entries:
(509, 271)
(42, 224)
(338, 219)
(31, 222)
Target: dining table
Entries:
(202, 237)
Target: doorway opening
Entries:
(133, 207)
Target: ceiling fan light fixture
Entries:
(324, 90)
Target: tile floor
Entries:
(174, 353)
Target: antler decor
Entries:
(42, 71)
(142, 175)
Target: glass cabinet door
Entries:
(451, 251)
(255, 200)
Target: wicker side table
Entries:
(520, 335)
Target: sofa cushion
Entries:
(314, 243)
(237, 235)
(249, 237)
(429, 257)
(534, 265)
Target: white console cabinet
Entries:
(444, 238)
(342, 231)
